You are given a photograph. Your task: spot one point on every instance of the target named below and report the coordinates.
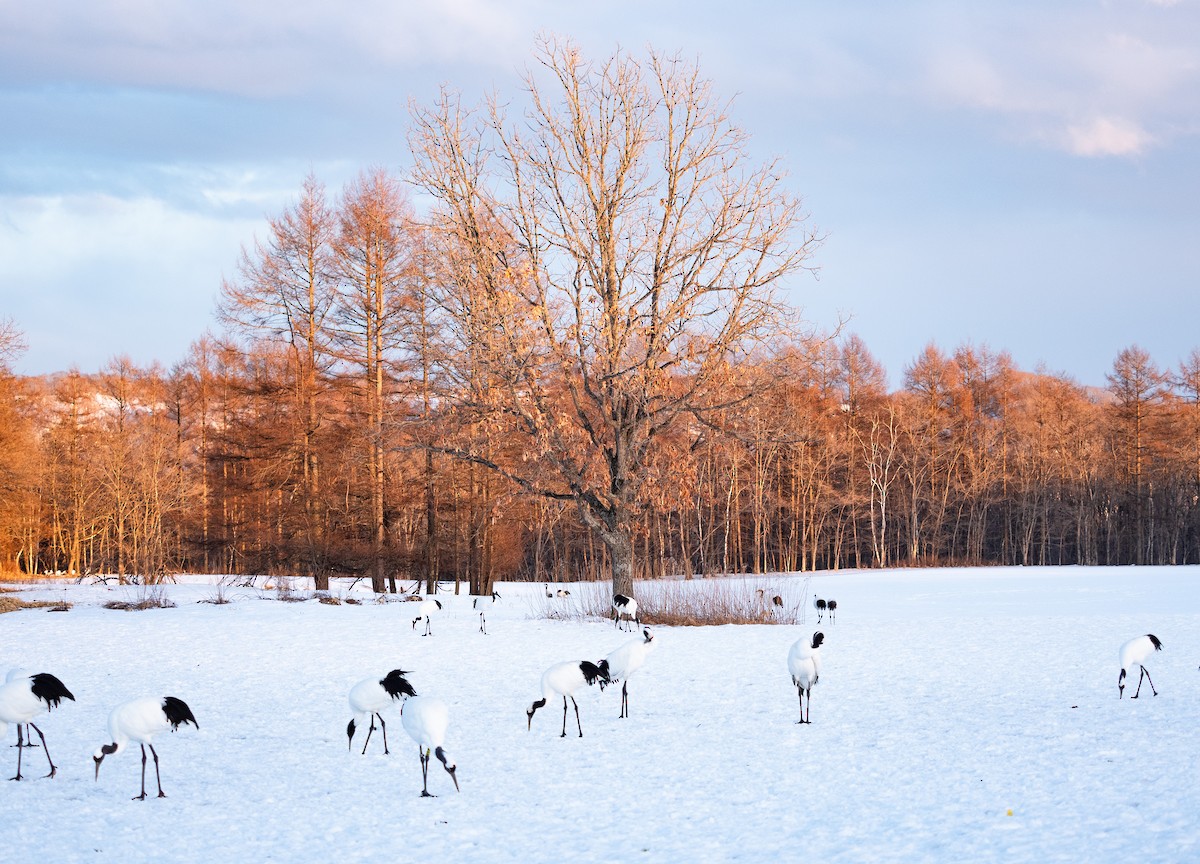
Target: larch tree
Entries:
(284, 293)
(636, 251)
(1138, 386)
(373, 250)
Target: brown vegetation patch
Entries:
(12, 604)
(149, 599)
(678, 603)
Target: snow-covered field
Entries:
(948, 699)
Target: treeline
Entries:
(575, 362)
(227, 463)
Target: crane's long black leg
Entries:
(424, 754)
(1139, 687)
(383, 726)
(808, 713)
(369, 731)
(142, 797)
(18, 777)
(624, 700)
(157, 776)
(577, 723)
(800, 696)
(564, 732)
(1151, 680)
(45, 750)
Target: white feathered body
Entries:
(628, 658)
(24, 697)
(804, 663)
(139, 720)
(1136, 651)
(426, 719)
(562, 679)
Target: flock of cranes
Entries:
(25, 697)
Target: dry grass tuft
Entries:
(150, 597)
(12, 604)
(217, 598)
(677, 603)
(329, 600)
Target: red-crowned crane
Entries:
(372, 695)
(563, 679)
(425, 719)
(819, 605)
(425, 610)
(831, 608)
(804, 662)
(623, 662)
(1134, 653)
(625, 609)
(26, 697)
(140, 720)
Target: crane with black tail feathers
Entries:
(1135, 652)
(371, 696)
(140, 720)
(563, 679)
(804, 662)
(26, 697)
(425, 610)
(625, 609)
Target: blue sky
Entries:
(1024, 175)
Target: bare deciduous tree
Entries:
(635, 252)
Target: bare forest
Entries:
(574, 364)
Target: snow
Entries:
(948, 698)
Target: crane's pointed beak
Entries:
(453, 772)
(98, 760)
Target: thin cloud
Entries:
(1107, 136)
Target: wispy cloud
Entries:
(1116, 82)
(1106, 136)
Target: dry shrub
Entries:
(329, 600)
(218, 597)
(150, 597)
(12, 604)
(678, 603)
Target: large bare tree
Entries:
(629, 250)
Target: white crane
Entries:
(1134, 653)
(623, 662)
(563, 679)
(804, 662)
(425, 719)
(140, 720)
(831, 608)
(25, 697)
(819, 605)
(372, 695)
(425, 610)
(624, 609)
